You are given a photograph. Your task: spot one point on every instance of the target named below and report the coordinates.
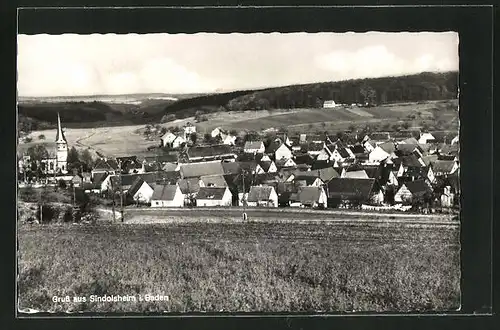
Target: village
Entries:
(402, 170)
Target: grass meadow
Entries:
(241, 267)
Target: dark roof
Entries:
(273, 146)
(136, 185)
(417, 171)
(265, 165)
(259, 193)
(312, 146)
(343, 152)
(189, 186)
(304, 159)
(428, 159)
(417, 187)
(380, 136)
(407, 161)
(358, 149)
(126, 159)
(403, 149)
(244, 157)
(231, 167)
(253, 145)
(325, 174)
(99, 178)
(236, 182)
(214, 193)
(210, 151)
(315, 137)
(165, 158)
(410, 140)
(164, 192)
(444, 166)
(358, 189)
(443, 136)
(404, 134)
(105, 164)
(308, 195)
(282, 162)
(214, 180)
(267, 178)
(191, 170)
(388, 147)
(309, 179)
(319, 164)
(448, 149)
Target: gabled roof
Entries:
(410, 140)
(236, 182)
(164, 192)
(259, 193)
(408, 161)
(213, 193)
(388, 147)
(343, 152)
(169, 167)
(210, 151)
(356, 174)
(282, 162)
(417, 187)
(164, 158)
(265, 165)
(105, 164)
(99, 178)
(231, 167)
(358, 149)
(325, 174)
(199, 169)
(136, 185)
(308, 179)
(308, 195)
(319, 164)
(428, 159)
(380, 136)
(359, 189)
(444, 166)
(273, 146)
(404, 149)
(267, 178)
(251, 145)
(248, 166)
(312, 146)
(214, 180)
(189, 186)
(304, 159)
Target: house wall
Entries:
(403, 195)
(283, 152)
(377, 155)
(272, 168)
(144, 194)
(225, 201)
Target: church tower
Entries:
(62, 148)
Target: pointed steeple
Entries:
(60, 138)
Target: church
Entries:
(57, 160)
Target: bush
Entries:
(41, 137)
(28, 139)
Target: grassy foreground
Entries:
(240, 267)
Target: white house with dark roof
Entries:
(330, 104)
(426, 138)
(214, 196)
(167, 196)
(167, 139)
(140, 191)
(262, 196)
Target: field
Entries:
(241, 267)
(124, 140)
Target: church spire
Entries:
(60, 135)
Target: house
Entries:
(319, 164)
(190, 188)
(216, 132)
(178, 142)
(346, 191)
(167, 196)
(140, 192)
(420, 173)
(268, 166)
(101, 182)
(355, 174)
(381, 152)
(284, 162)
(262, 196)
(251, 167)
(329, 104)
(316, 149)
(130, 164)
(283, 152)
(188, 130)
(312, 197)
(167, 139)
(214, 196)
(214, 181)
(104, 165)
(307, 181)
(209, 153)
(196, 170)
(254, 147)
(444, 167)
(228, 139)
(304, 159)
(231, 167)
(411, 191)
(340, 154)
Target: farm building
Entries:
(312, 197)
(167, 139)
(262, 196)
(382, 152)
(343, 191)
(140, 192)
(195, 170)
(214, 196)
(444, 167)
(167, 196)
(411, 191)
(329, 104)
(254, 147)
(215, 152)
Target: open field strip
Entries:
(245, 267)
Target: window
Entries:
(62, 167)
(51, 166)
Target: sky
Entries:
(108, 64)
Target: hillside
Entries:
(411, 88)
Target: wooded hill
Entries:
(410, 88)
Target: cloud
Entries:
(378, 61)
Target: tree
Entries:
(207, 138)
(41, 137)
(61, 184)
(193, 137)
(87, 160)
(406, 125)
(28, 139)
(197, 116)
(73, 158)
(37, 153)
(369, 94)
(163, 130)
